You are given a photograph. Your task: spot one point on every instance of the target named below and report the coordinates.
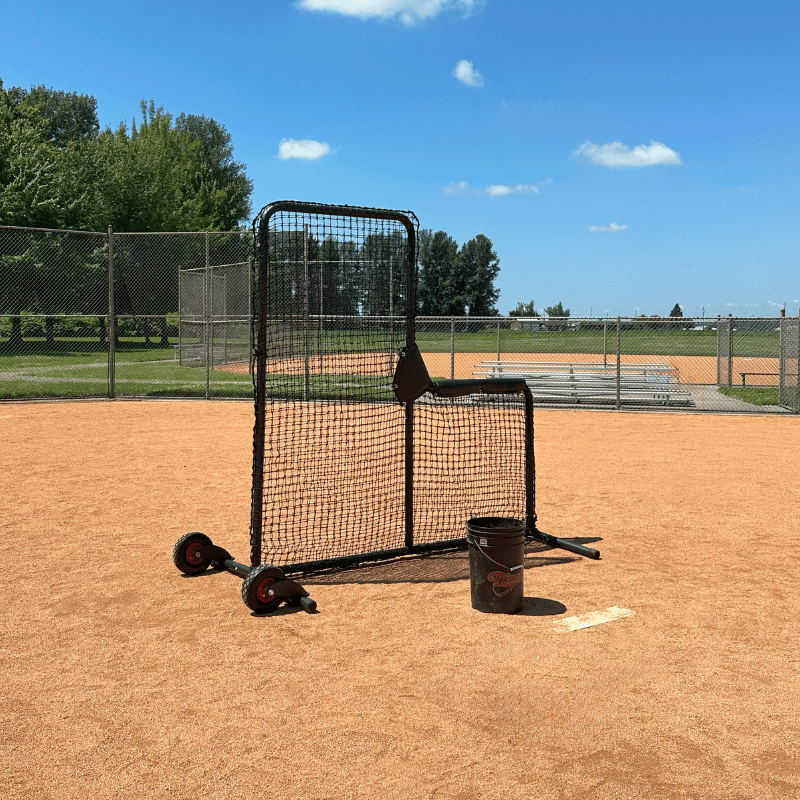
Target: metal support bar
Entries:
(565, 544)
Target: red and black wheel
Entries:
(186, 555)
(256, 589)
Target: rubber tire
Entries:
(253, 589)
(180, 553)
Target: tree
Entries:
(481, 264)
(69, 116)
(557, 310)
(524, 310)
(58, 171)
(381, 267)
(438, 253)
(160, 177)
(218, 172)
(31, 185)
(676, 311)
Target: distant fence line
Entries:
(168, 315)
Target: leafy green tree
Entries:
(676, 311)
(557, 310)
(31, 192)
(69, 116)
(58, 171)
(438, 253)
(158, 177)
(524, 310)
(384, 272)
(480, 265)
(46, 178)
(219, 179)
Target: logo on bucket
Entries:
(504, 582)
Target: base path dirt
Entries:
(123, 679)
(758, 371)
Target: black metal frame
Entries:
(411, 382)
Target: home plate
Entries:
(592, 618)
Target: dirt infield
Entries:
(123, 679)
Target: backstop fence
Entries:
(88, 315)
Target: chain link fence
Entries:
(99, 314)
(111, 314)
(721, 364)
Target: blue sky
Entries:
(621, 157)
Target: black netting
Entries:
(340, 468)
(469, 461)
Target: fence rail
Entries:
(168, 315)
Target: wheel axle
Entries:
(264, 587)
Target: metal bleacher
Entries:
(593, 384)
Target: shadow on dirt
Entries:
(435, 567)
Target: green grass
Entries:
(633, 342)
(140, 371)
(757, 395)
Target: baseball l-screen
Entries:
(353, 458)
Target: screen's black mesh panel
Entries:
(469, 461)
(333, 290)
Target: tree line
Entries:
(529, 310)
(59, 170)
(456, 281)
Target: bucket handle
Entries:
(471, 538)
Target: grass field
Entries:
(77, 368)
(757, 395)
(632, 342)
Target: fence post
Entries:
(112, 321)
(619, 370)
(605, 348)
(208, 302)
(498, 339)
(730, 350)
(452, 347)
(783, 329)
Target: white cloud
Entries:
(612, 228)
(409, 12)
(462, 187)
(495, 190)
(616, 154)
(302, 148)
(499, 190)
(467, 74)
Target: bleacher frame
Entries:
(585, 383)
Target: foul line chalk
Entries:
(592, 618)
